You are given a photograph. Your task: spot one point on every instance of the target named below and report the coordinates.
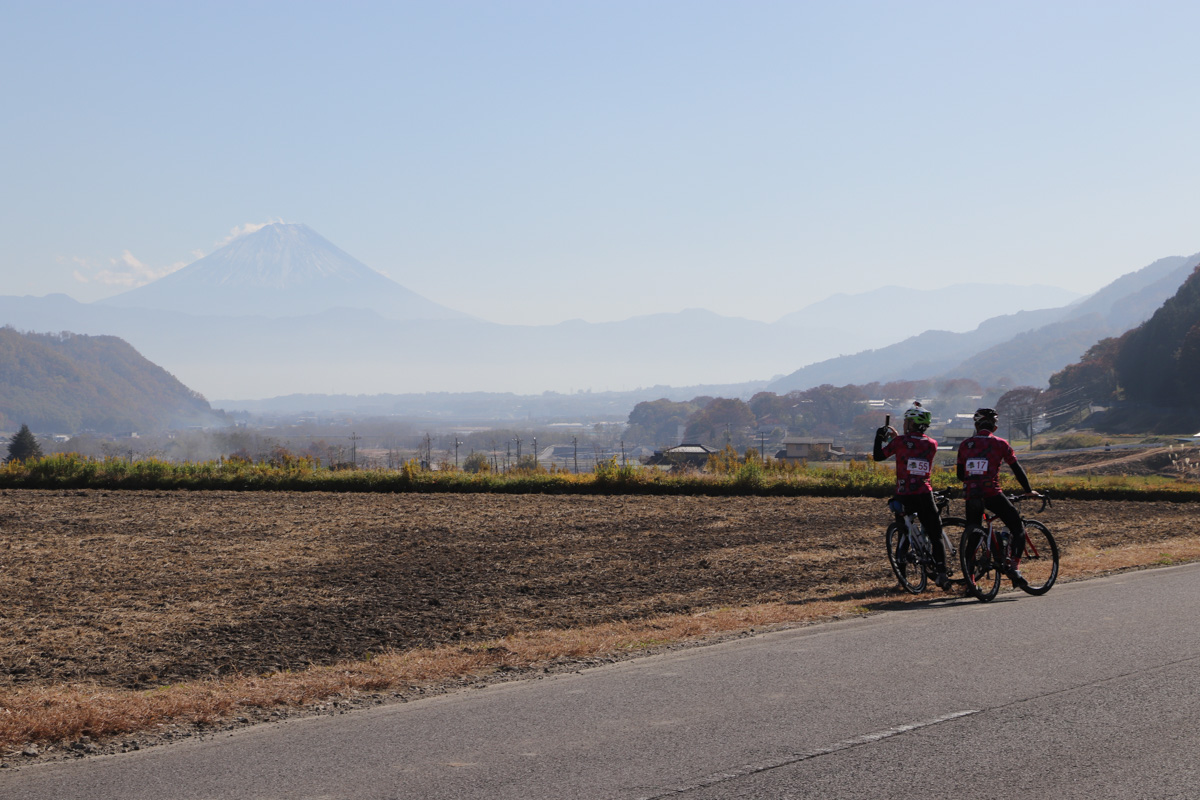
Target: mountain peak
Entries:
(281, 269)
(277, 256)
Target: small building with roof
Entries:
(682, 456)
(809, 448)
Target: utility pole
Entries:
(762, 446)
(624, 463)
(535, 453)
(456, 446)
(575, 444)
(517, 439)
(354, 437)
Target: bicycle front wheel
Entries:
(904, 561)
(1039, 562)
(980, 570)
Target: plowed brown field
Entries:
(137, 589)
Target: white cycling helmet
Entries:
(917, 417)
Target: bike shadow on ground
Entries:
(893, 598)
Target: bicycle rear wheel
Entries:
(903, 558)
(1039, 562)
(980, 570)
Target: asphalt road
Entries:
(1090, 691)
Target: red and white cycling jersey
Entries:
(914, 462)
(980, 458)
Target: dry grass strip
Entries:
(63, 714)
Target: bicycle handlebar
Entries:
(1043, 496)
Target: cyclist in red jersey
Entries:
(979, 460)
(914, 453)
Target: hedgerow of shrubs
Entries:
(725, 475)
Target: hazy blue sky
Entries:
(540, 161)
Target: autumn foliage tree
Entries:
(729, 421)
(659, 421)
(781, 410)
(1019, 408)
(1090, 381)
(477, 462)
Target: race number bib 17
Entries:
(918, 466)
(977, 466)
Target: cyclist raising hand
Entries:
(979, 460)
(914, 452)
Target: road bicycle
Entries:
(986, 555)
(909, 550)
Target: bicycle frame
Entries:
(917, 534)
(1032, 563)
(908, 543)
(1004, 554)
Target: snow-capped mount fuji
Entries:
(280, 270)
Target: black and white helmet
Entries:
(986, 418)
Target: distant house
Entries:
(683, 456)
(952, 435)
(806, 448)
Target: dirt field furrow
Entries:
(141, 589)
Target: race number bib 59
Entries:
(918, 466)
(977, 466)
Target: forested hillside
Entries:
(1159, 361)
(1151, 373)
(67, 383)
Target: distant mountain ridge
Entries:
(1135, 296)
(947, 308)
(282, 311)
(68, 383)
(923, 356)
(1023, 348)
(280, 270)
(488, 407)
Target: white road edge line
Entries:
(795, 758)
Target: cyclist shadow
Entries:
(889, 598)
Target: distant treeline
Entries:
(834, 411)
